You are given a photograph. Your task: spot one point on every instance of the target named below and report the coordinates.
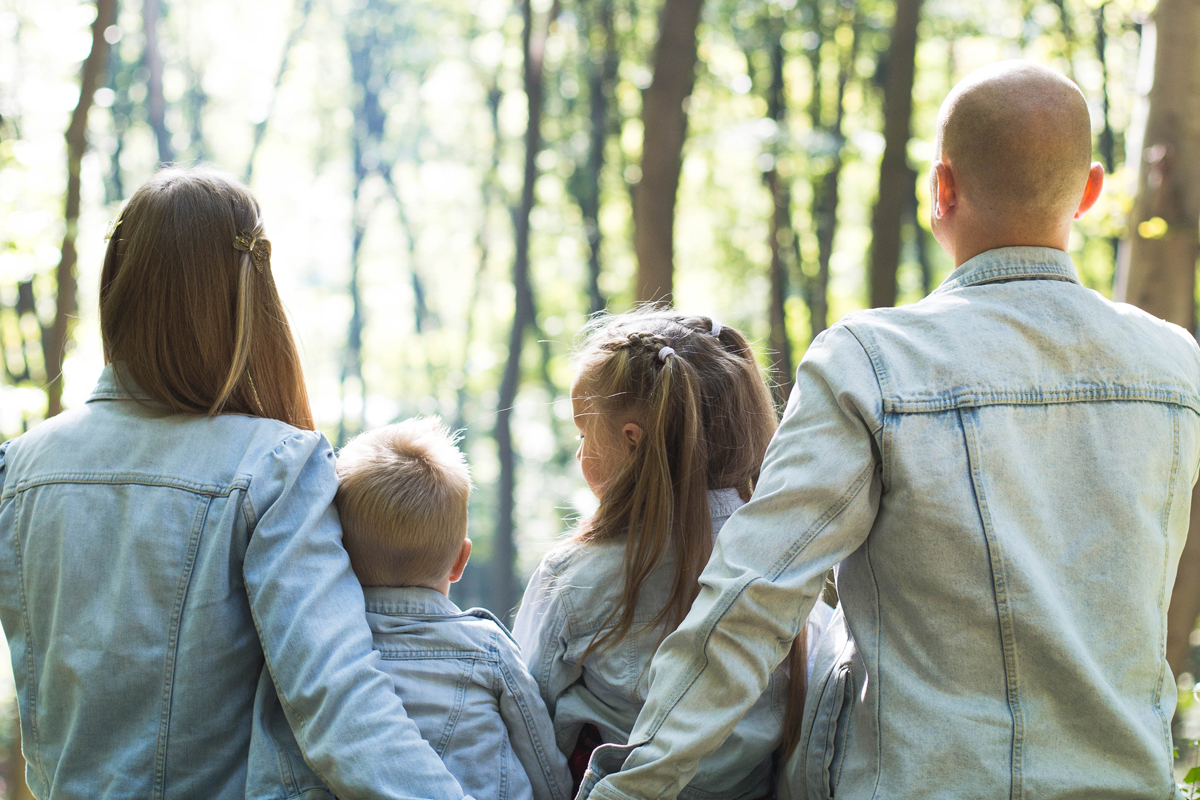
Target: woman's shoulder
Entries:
(583, 558)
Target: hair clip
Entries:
(112, 228)
(716, 328)
(257, 246)
(665, 351)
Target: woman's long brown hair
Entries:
(188, 318)
(707, 417)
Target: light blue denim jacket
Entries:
(161, 576)
(1004, 473)
(567, 603)
(464, 684)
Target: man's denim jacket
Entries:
(161, 577)
(1004, 473)
(568, 603)
(463, 682)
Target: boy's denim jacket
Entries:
(161, 576)
(463, 682)
(568, 601)
(1004, 472)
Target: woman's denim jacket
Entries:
(568, 602)
(1004, 472)
(464, 684)
(161, 578)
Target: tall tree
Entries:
(303, 11)
(1158, 267)
(55, 339)
(896, 177)
(664, 120)
(826, 182)
(156, 104)
(780, 233)
(504, 547)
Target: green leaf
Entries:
(1193, 775)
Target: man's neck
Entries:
(970, 243)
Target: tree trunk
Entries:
(665, 128)
(1158, 269)
(602, 62)
(55, 339)
(896, 177)
(156, 104)
(504, 548)
(780, 232)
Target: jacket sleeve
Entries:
(311, 618)
(530, 729)
(541, 630)
(815, 504)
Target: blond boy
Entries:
(402, 495)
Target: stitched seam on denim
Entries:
(883, 381)
(602, 791)
(1003, 609)
(850, 705)
(127, 478)
(718, 613)
(522, 703)
(1040, 272)
(185, 577)
(804, 746)
(951, 402)
(502, 789)
(455, 711)
(1162, 588)
(417, 654)
(879, 662)
(31, 675)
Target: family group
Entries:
(202, 600)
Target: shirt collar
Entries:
(1012, 264)
(405, 600)
(109, 388)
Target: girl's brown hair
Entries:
(189, 312)
(707, 417)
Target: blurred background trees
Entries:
(453, 186)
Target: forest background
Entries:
(453, 186)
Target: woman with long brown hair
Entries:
(182, 617)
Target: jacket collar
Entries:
(405, 600)
(109, 388)
(1012, 264)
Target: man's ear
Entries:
(460, 563)
(633, 434)
(944, 189)
(1091, 192)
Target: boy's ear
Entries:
(633, 434)
(460, 564)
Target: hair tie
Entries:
(665, 351)
(257, 246)
(716, 328)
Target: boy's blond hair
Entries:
(402, 495)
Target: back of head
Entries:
(189, 311)
(1018, 139)
(402, 495)
(707, 417)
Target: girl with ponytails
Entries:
(674, 418)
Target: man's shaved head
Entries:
(1018, 139)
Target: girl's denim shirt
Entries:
(567, 603)
(170, 583)
(1003, 473)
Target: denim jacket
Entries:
(166, 580)
(568, 601)
(464, 684)
(1004, 473)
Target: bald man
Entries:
(1001, 476)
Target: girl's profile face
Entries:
(604, 445)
